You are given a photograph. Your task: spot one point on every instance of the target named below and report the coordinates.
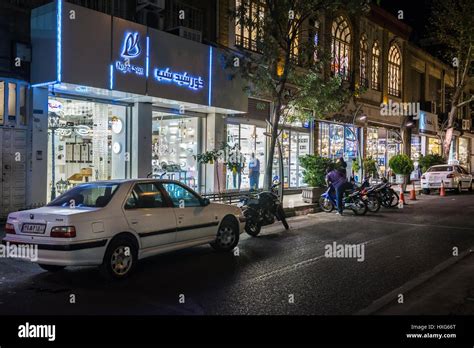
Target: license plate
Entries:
(33, 228)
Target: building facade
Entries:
(97, 90)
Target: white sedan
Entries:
(453, 177)
(113, 224)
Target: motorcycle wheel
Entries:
(373, 204)
(282, 217)
(326, 205)
(252, 228)
(395, 199)
(359, 207)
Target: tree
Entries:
(287, 64)
(451, 22)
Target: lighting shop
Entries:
(132, 103)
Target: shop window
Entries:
(11, 101)
(249, 139)
(323, 139)
(394, 71)
(434, 146)
(248, 28)
(364, 82)
(23, 117)
(80, 139)
(415, 147)
(336, 138)
(463, 153)
(350, 142)
(375, 72)
(174, 145)
(341, 47)
(2, 101)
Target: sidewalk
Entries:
(294, 205)
(451, 292)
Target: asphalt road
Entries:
(280, 272)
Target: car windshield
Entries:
(94, 195)
(441, 169)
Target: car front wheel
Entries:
(120, 258)
(227, 236)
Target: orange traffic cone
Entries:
(413, 193)
(401, 200)
(442, 191)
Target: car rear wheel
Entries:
(227, 236)
(51, 268)
(120, 258)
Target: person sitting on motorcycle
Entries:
(338, 181)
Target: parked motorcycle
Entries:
(261, 209)
(352, 200)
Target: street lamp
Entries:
(362, 118)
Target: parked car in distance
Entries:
(454, 177)
(113, 224)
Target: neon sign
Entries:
(182, 80)
(130, 50)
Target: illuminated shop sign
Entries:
(130, 50)
(181, 79)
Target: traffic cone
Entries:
(442, 191)
(413, 193)
(401, 200)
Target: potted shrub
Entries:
(314, 174)
(430, 160)
(402, 166)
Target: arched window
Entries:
(394, 71)
(341, 47)
(375, 66)
(364, 82)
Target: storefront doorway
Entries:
(249, 139)
(175, 142)
(382, 145)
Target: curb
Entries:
(412, 284)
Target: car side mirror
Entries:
(205, 202)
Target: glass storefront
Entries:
(249, 139)
(295, 143)
(382, 144)
(415, 147)
(175, 142)
(463, 152)
(79, 142)
(434, 146)
(335, 141)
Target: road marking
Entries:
(303, 263)
(385, 300)
(424, 225)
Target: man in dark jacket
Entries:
(339, 182)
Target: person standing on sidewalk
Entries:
(254, 172)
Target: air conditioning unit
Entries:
(187, 33)
(466, 125)
(151, 4)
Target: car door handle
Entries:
(134, 222)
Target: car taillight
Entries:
(450, 176)
(9, 229)
(63, 232)
(423, 177)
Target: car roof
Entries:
(121, 181)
